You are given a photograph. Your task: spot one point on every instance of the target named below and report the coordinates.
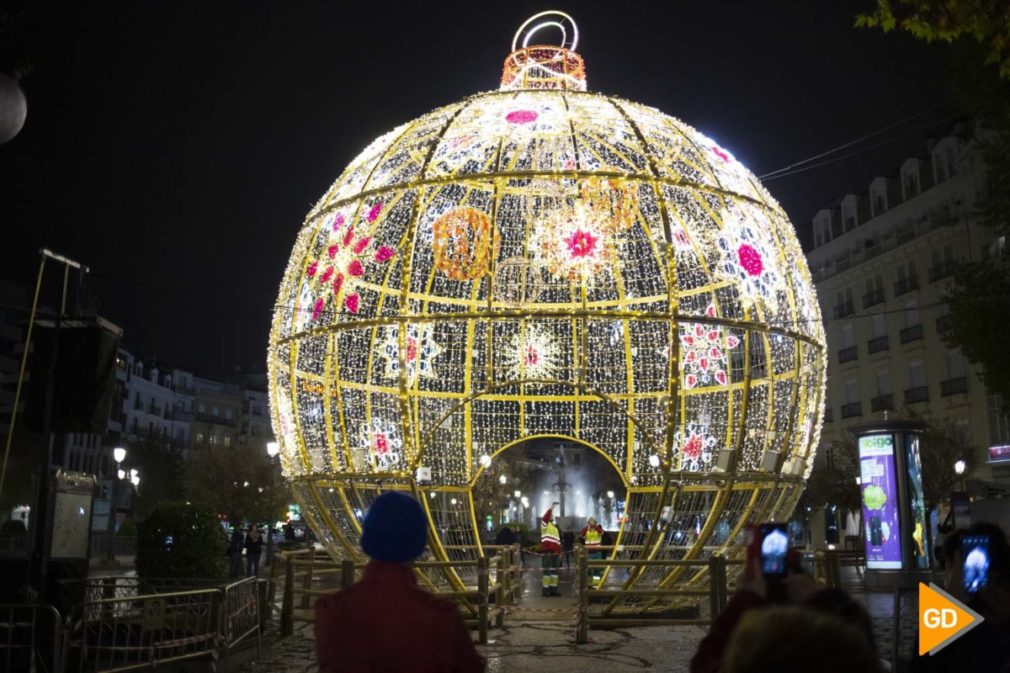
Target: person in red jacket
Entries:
(386, 623)
(550, 547)
(592, 538)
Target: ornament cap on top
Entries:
(541, 66)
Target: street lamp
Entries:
(859, 481)
(610, 494)
(135, 478)
(503, 480)
(273, 448)
(517, 494)
(959, 466)
(118, 455)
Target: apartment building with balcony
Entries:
(881, 261)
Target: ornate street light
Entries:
(118, 455)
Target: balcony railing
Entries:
(911, 333)
(878, 344)
(941, 271)
(852, 409)
(944, 323)
(917, 394)
(844, 310)
(829, 415)
(873, 298)
(954, 386)
(902, 233)
(848, 354)
(906, 285)
(882, 403)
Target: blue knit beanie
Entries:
(395, 528)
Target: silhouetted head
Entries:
(395, 529)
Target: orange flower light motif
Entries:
(462, 243)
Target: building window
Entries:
(879, 204)
(879, 326)
(199, 438)
(999, 423)
(911, 185)
(850, 220)
(226, 441)
(916, 374)
(955, 364)
(911, 314)
(201, 408)
(227, 414)
(883, 382)
(829, 456)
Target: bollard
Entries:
(717, 590)
(582, 617)
(499, 592)
(288, 603)
(832, 569)
(482, 577)
(307, 581)
(346, 573)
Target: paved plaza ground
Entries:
(539, 635)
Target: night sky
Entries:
(174, 147)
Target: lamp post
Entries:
(118, 455)
(273, 450)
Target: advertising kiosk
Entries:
(895, 521)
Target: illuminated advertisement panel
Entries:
(879, 486)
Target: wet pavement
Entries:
(539, 635)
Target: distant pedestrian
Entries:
(386, 622)
(550, 547)
(253, 550)
(592, 538)
(235, 546)
(568, 544)
(506, 536)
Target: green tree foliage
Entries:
(980, 78)
(834, 485)
(987, 22)
(180, 540)
(159, 463)
(241, 482)
(942, 445)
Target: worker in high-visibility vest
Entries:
(550, 547)
(592, 538)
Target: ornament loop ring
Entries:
(562, 17)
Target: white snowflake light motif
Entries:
(696, 447)
(703, 352)
(575, 244)
(748, 259)
(421, 350)
(383, 444)
(532, 354)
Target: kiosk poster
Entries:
(917, 503)
(880, 502)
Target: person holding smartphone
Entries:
(772, 575)
(978, 562)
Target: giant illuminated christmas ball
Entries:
(542, 261)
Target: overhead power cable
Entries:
(789, 169)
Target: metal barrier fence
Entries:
(30, 638)
(122, 545)
(717, 592)
(127, 633)
(128, 624)
(302, 571)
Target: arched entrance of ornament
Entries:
(458, 514)
(520, 481)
